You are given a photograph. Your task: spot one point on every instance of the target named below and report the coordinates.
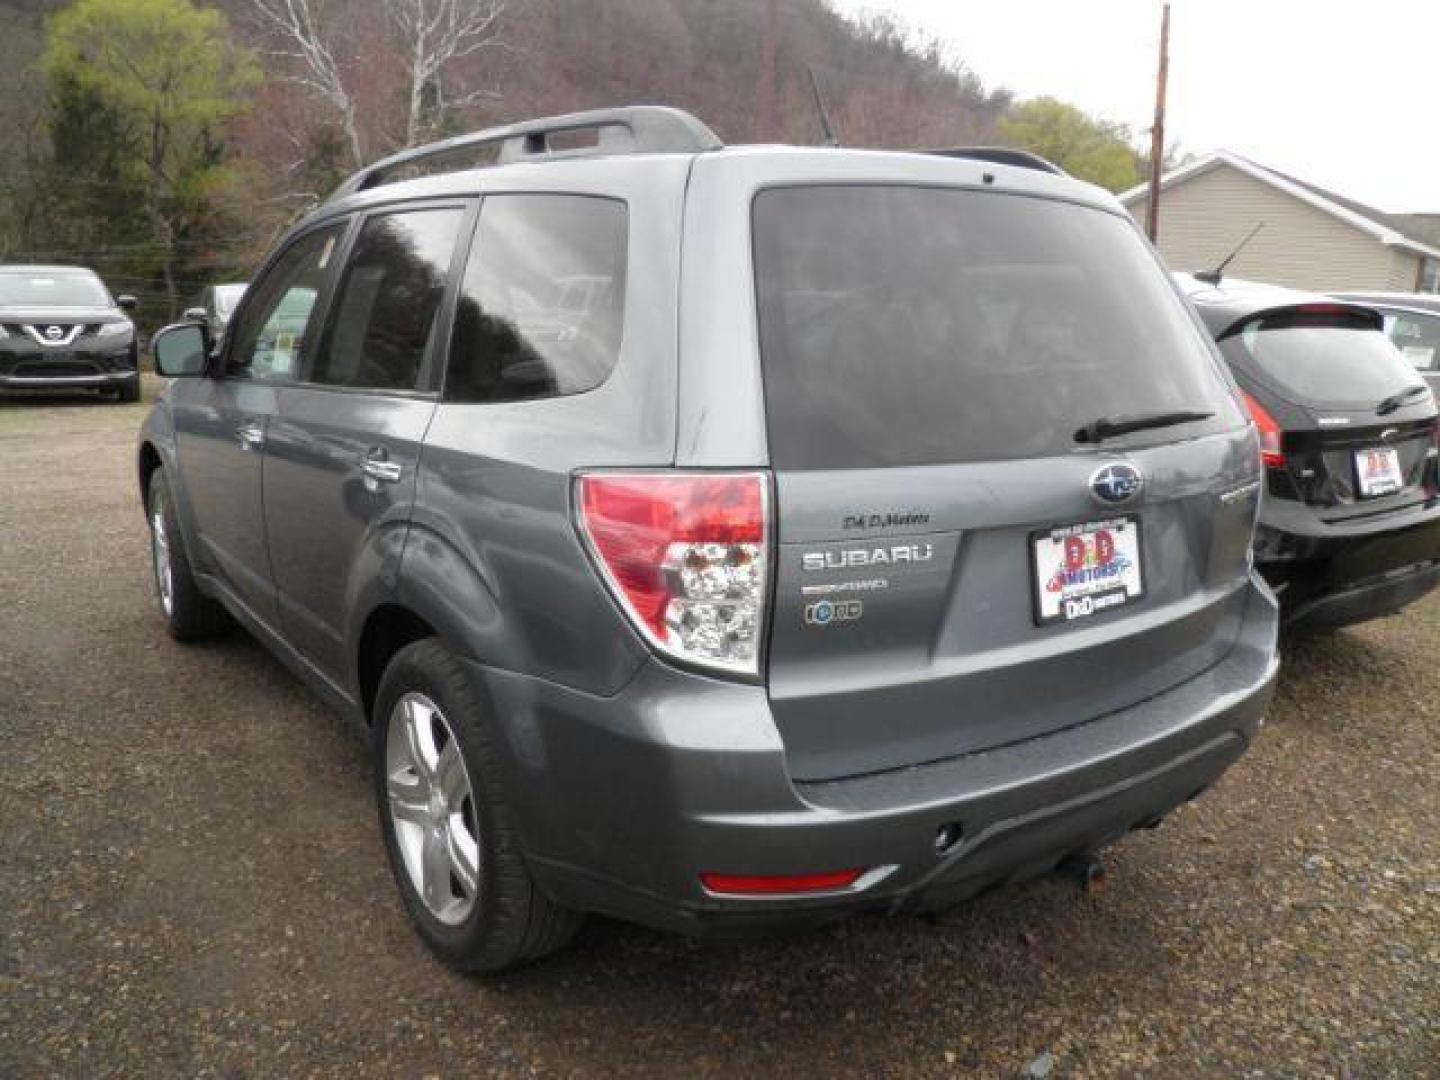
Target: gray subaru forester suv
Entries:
(723, 537)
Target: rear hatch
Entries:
(962, 564)
(1355, 420)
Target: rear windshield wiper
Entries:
(1394, 401)
(1109, 426)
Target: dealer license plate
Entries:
(1379, 471)
(1082, 570)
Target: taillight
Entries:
(1270, 452)
(780, 884)
(687, 557)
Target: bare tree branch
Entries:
(433, 35)
(297, 23)
(430, 37)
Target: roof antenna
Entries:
(830, 139)
(1212, 277)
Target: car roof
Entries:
(757, 163)
(641, 140)
(1227, 305)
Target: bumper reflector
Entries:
(780, 885)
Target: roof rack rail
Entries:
(1001, 155)
(636, 129)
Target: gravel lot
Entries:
(192, 882)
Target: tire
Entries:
(189, 614)
(451, 837)
(129, 392)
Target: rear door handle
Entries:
(251, 435)
(379, 469)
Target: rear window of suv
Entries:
(917, 326)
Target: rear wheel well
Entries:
(149, 462)
(389, 629)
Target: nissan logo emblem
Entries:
(1117, 483)
(54, 333)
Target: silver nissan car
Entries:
(722, 538)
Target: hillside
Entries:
(883, 88)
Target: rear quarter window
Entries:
(915, 326)
(541, 307)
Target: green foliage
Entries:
(88, 199)
(165, 68)
(141, 93)
(325, 163)
(1087, 147)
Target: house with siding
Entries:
(1311, 238)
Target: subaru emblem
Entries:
(1116, 483)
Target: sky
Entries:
(1344, 95)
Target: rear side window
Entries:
(389, 300)
(1320, 359)
(541, 309)
(916, 326)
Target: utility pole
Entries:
(765, 125)
(1157, 133)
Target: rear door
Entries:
(344, 445)
(961, 564)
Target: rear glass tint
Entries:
(1320, 360)
(914, 326)
(541, 308)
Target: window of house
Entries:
(1430, 275)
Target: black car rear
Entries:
(1350, 523)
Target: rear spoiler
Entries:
(1307, 313)
(999, 155)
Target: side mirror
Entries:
(127, 302)
(180, 350)
(195, 314)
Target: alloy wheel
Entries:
(160, 557)
(432, 809)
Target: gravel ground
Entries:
(191, 880)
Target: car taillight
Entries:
(687, 555)
(1270, 452)
(779, 884)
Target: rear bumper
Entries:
(1360, 602)
(625, 801)
(1327, 578)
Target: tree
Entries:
(433, 35)
(298, 24)
(428, 39)
(1087, 147)
(169, 79)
